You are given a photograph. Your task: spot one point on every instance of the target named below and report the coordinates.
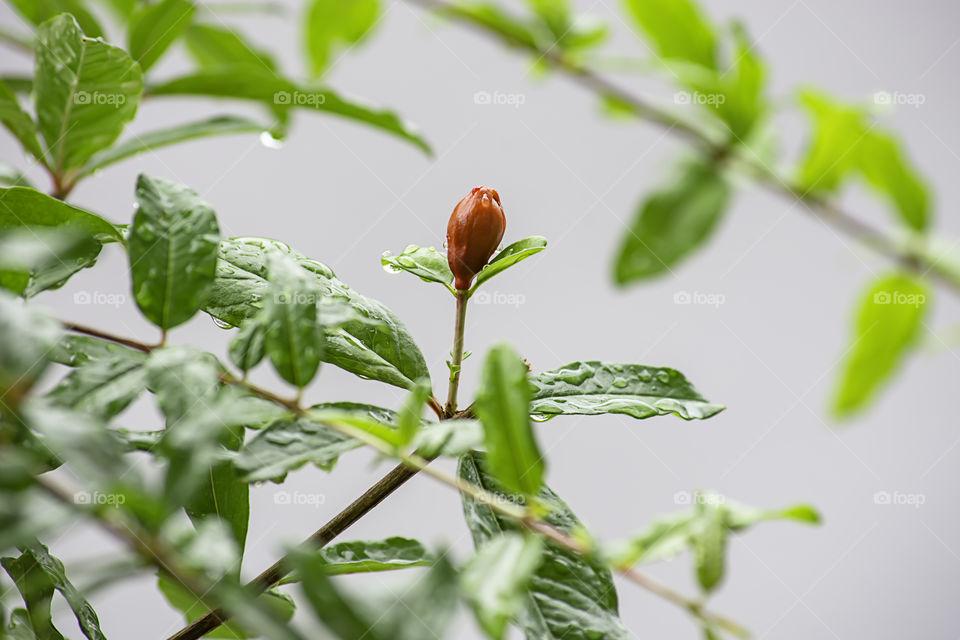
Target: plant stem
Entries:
(821, 208)
(96, 333)
(456, 356)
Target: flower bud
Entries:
(473, 234)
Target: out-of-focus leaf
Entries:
(570, 597)
(503, 407)
(39, 11)
(24, 207)
(592, 388)
(496, 578)
(294, 336)
(248, 347)
(288, 444)
(12, 177)
(448, 438)
(103, 387)
(520, 250)
(365, 556)
(40, 571)
(173, 251)
(330, 25)
(410, 416)
(710, 544)
(888, 322)
(265, 86)
(216, 45)
(154, 27)
(844, 144)
(35, 259)
(377, 345)
(672, 223)
(19, 122)
(216, 126)
(186, 603)
(426, 263)
(85, 92)
(77, 350)
(676, 29)
(26, 339)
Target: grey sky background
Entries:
(343, 194)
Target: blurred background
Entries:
(776, 288)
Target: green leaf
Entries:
(495, 580)
(570, 597)
(710, 544)
(294, 337)
(448, 438)
(152, 140)
(264, 86)
(515, 31)
(19, 122)
(428, 264)
(13, 177)
(520, 250)
(37, 592)
(376, 346)
(37, 259)
(844, 144)
(366, 556)
(39, 11)
(503, 408)
(173, 251)
(280, 604)
(42, 573)
(248, 347)
(411, 414)
(888, 322)
(639, 391)
(740, 516)
(26, 339)
(183, 379)
(76, 350)
(330, 25)
(289, 443)
(85, 92)
(676, 29)
(664, 538)
(154, 27)
(103, 387)
(226, 497)
(215, 46)
(24, 207)
(672, 223)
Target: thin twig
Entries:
(96, 333)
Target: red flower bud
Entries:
(473, 234)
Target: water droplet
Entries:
(222, 324)
(645, 376)
(619, 383)
(267, 140)
(663, 377)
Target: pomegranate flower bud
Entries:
(475, 230)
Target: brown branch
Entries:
(96, 333)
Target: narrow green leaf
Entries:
(366, 556)
(570, 597)
(424, 609)
(35, 259)
(39, 11)
(103, 387)
(154, 27)
(331, 25)
(19, 122)
(27, 337)
(676, 29)
(152, 140)
(265, 86)
(411, 414)
(428, 264)
(740, 516)
(41, 567)
(664, 538)
(85, 92)
(217, 45)
(248, 346)
(887, 325)
(710, 544)
(75, 350)
(37, 591)
(639, 391)
(376, 346)
(495, 580)
(294, 336)
(672, 223)
(173, 251)
(22, 207)
(502, 406)
(225, 497)
(448, 438)
(289, 443)
(280, 604)
(520, 250)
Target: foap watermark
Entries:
(100, 298)
(299, 98)
(499, 98)
(697, 497)
(297, 297)
(99, 498)
(99, 98)
(899, 498)
(695, 97)
(899, 297)
(896, 98)
(498, 297)
(699, 297)
(299, 498)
